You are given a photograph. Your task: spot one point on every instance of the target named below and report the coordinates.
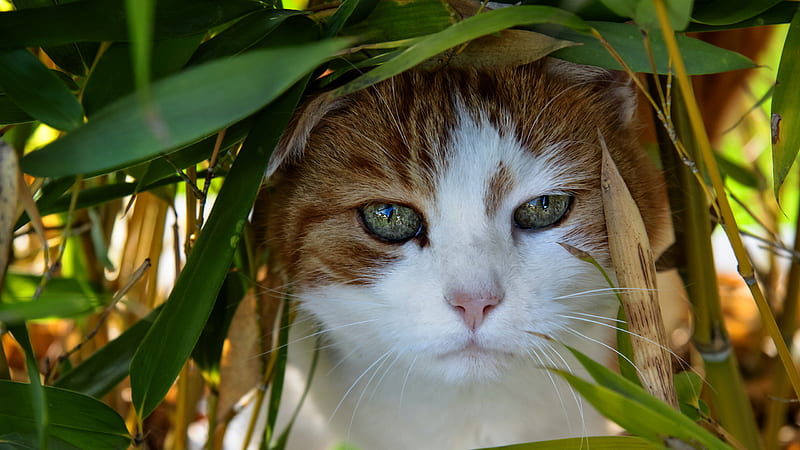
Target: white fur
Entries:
(395, 370)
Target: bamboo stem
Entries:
(727, 220)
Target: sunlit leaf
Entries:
(584, 443)
(644, 13)
(635, 410)
(785, 112)
(61, 297)
(464, 31)
(174, 334)
(185, 107)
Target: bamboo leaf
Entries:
(584, 443)
(61, 297)
(461, 32)
(174, 334)
(32, 394)
(785, 113)
(75, 420)
(140, 29)
(112, 77)
(394, 20)
(105, 20)
(185, 107)
(644, 13)
(11, 113)
(37, 91)
(723, 12)
(634, 409)
(108, 366)
(701, 57)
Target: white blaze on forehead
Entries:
(468, 239)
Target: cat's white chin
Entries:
(473, 363)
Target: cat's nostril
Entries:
(474, 307)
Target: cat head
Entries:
(423, 216)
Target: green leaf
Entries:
(208, 351)
(723, 12)
(585, 443)
(464, 31)
(635, 410)
(778, 14)
(688, 386)
(61, 297)
(172, 338)
(394, 20)
(644, 12)
(33, 394)
(74, 419)
(140, 15)
(109, 365)
(11, 113)
(246, 34)
(112, 77)
(37, 91)
(785, 112)
(700, 57)
(354, 11)
(105, 20)
(185, 107)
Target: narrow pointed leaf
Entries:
(37, 91)
(177, 329)
(184, 108)
(464, 31)
(723, 12)
(634, 409)
(585, 443)
(700, 57)
(76, 420)
(785, 111)
(109, 365)
(104, 20)
(61, 297)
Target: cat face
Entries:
(421, 219)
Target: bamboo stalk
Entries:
(693, 233)
(635, 268)
(727, 220)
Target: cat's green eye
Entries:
(541, 212)
(391, 222)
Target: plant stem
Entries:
(727, 220)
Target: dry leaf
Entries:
(635, 268)
(8, 203)
(508, 48)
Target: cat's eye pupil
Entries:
(541, 212)
(391, 222)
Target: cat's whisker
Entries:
(341, 360)
(550, 377)
(405, 381)
(602, 291)
(578, 402)
(364, 391)
(347, 393)
(612, 319)
(385, 372)
(650, 341)
(596, 341)
(315, 334)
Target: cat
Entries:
(418, 223)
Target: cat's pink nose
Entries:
(474, 306)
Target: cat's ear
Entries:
(617, 85)
(295, 137)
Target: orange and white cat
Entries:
(419, 223)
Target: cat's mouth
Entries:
(474, 350)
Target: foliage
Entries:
(144, 98)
